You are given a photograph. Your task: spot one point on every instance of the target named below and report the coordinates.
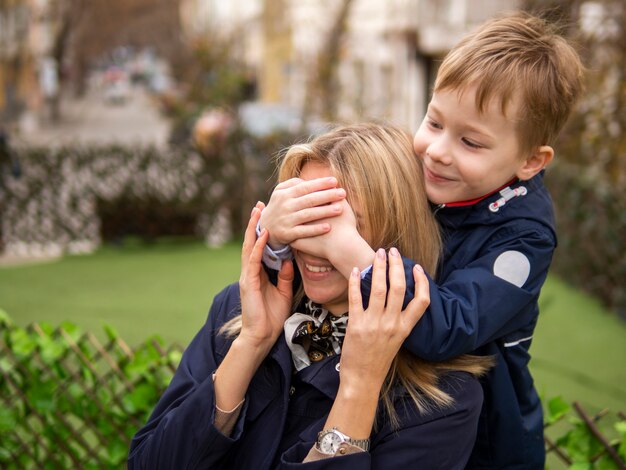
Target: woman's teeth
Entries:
(319, 269)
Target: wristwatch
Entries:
(328, 441)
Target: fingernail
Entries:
(394, 251)
(258, 204)
(252, 212)
(341, 192)
(263, 231)
(418, 268)
(381, 253)
(355, 272)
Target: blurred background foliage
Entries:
(588, 180)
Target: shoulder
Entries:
(467, 399)
(465, 389)
(225, 306)
(442, 437)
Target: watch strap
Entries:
(361, 443)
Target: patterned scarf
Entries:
(314, 334)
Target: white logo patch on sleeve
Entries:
(513, 267)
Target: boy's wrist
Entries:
(273, 245)
(355, 252)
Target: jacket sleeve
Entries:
(441, 440)
(181, 433)
(488, 298)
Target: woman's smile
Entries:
(313, 268)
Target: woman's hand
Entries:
(264, 307)
(374, 336)
(296, 205)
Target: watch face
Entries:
(329, 443)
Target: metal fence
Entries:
(70, 400)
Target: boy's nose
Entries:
(439, 151)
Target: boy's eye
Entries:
(471, 144)
(434, 124)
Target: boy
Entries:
(500, 98)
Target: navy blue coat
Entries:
(485, 302)
(283, 412)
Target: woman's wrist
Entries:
(360, 386)
(251, 348)
(233, 376)
(354, 410)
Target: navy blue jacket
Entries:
(283, 412)
(485, 302)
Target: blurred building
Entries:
(387, 58)
(26, 68)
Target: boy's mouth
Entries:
(437, 178)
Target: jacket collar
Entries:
(471, 202)
(322, 375)
(477, 211)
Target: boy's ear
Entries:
(537, 161)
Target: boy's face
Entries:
(466, 154)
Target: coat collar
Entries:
(455, 215)
(322, 375)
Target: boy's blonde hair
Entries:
(523, 58)
(376, 166)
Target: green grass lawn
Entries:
(579, 350)
(164, 289)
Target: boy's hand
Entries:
(296, 208)
(342, 244)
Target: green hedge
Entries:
(68, 199)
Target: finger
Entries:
(311, 186)
(288, 183)
(249, 237)
(260, 205)
(319, 198)
(285, 278)
(308, 231)
(397, 282)
(378, 292)
(254, 261)
(355, 302)
(416, 307)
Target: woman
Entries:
(270, 381)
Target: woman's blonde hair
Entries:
(377, 167)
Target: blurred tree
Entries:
(588, 181)
(14, 55)
(595, 136)
(323, 86)
(64, 18)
